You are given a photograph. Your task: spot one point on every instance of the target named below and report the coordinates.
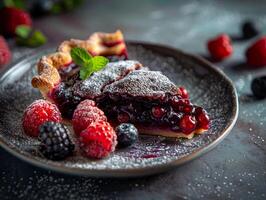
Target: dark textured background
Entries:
(235, 169)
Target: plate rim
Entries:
(144, 171)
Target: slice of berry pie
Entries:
(125, 90)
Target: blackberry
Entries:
(174, 118)
(66, 100)
(249, 30)
(258, 87)
(145, 117)
(55, 142)
(127, 134)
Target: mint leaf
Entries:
(14, 3)
(99, 62)
(23, 31)
(93, 65)
(86, 70)
(56, 9)
(80, 56)
(28, 37)
(36, 39)
(87, 63)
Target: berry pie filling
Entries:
(125, 90)
(170, 112)
(122, 93)
(112, 43)
(62, 93)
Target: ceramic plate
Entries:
(207, 85)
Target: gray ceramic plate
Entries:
(207, 85)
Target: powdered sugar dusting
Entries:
(92, 87)
(144, 84)
(215, 96)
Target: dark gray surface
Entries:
(236, 169)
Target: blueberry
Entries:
(258, 87)
(249, 30)
(127, 134)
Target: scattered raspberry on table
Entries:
(256, 53)
(10, 18)
(5, 54)
(220, 47)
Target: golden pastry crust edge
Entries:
(48, 66)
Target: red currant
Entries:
(183, 92)
(123, 117)
(158, 111)
(202, 118)
(187, 124)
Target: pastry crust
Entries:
(168, 133)
(97, 44)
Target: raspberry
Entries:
(127, 134)
(55, 142)
(36, 114)
(98, 140)
(86, 113)
(220, 47)
(10, 18)
(256, 53)
(5, 54)
(84, 105)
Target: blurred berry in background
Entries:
(16, 22)
(43, 7)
